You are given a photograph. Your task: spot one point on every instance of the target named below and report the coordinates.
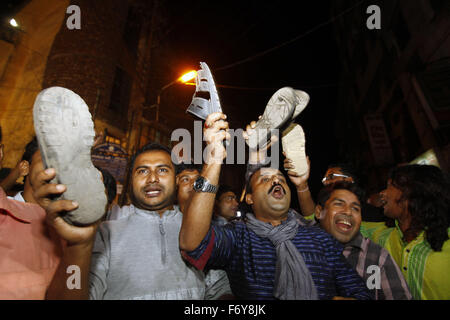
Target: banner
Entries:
(112, 157)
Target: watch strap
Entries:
(210, 187)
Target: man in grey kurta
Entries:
(136, 256)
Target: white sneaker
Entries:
(65, 133)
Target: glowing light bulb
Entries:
(188, 76)
(13, 22)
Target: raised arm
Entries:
(197, 218)
(20, 170)
(305, 199)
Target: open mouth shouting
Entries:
(277, 191)
(343, 223)
(152, 191)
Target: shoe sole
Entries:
(65, 134)
(282, 108)
(293, 144)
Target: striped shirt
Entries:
(426, 271)
(371, 260)
(250, 261)
(362, 253)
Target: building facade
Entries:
(23, 55)
(104, 57)
(394, 96)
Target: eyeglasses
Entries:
(331, 176)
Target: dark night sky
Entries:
(221, 33)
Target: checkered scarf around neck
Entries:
(293, 281)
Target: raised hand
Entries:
(23, 168)
(300, 182)
(215, 133)
(257, 155)
(44, 193)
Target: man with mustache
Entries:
(338, 210)
(269, 256)
(134, 257)
(335, 172)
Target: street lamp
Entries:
(13, 23)
(183, 79)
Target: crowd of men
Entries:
(181, 237)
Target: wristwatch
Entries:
(201, 184)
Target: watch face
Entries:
(198, 184)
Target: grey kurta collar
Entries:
(167, 214)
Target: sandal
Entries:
(65, 134)
(206, 99)
(283, 107)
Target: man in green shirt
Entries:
(417, 197)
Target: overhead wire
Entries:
(296, 38)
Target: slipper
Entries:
(206, 99)
(65, 134)
(282, 108)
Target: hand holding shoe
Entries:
(215, 133)
(256, 155)
(43, 192)
(300, 182)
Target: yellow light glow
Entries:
(13, 22)
(188, 76)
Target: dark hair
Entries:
(325, 192)
(30, 149)
(346, 169)
(223, 188)
(149, 147)
(152, 146)
(109, 183)
(0, 134)
(427, 190)
(251, 170)
(187, 166)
